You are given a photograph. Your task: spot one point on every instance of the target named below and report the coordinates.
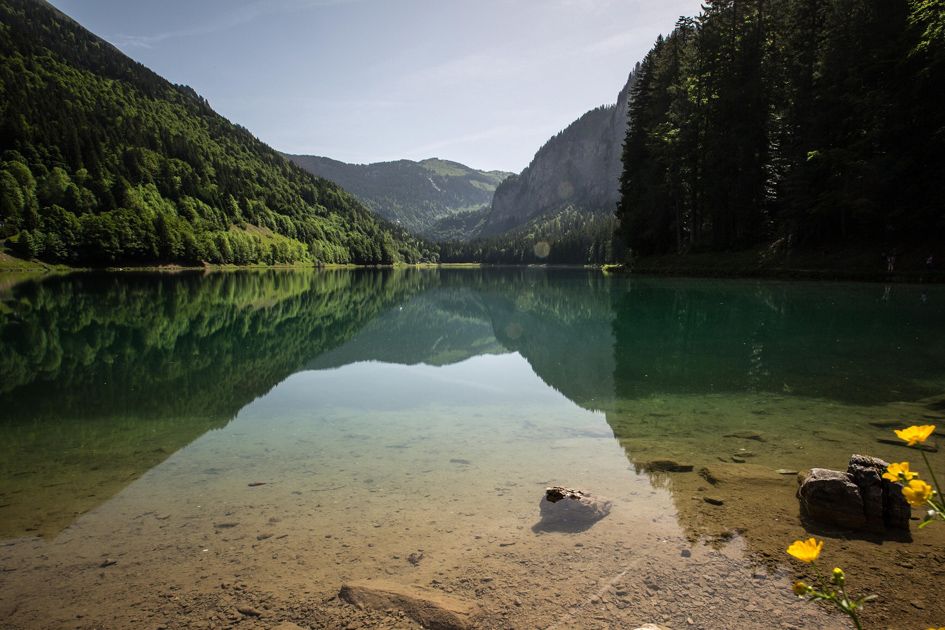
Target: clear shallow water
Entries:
(396, 412)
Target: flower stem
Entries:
(938, 488)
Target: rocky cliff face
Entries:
(579, 167)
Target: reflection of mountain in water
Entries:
(103, 376)
(442, 326)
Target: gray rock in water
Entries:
(830, 497)
(858, 499)
(570, 510)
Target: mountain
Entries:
(578, 169)
(434, 198)
(104, 162)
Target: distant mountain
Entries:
(104, 162)
(434, 198)
(578, 169)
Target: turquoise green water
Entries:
(104, 377)
(415, 406)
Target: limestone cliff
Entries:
(579, 167)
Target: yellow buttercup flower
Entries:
(800, 589)
(806, 550)
(899, 472)
(915, 434)
(917, 492)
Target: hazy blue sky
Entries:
(484, 82)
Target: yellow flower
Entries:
(806, 550)
(917, 492)
(915, 434)
(899, 472)
(800, 589)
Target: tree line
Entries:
(571, 235)
(802, 123)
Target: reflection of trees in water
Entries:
(832, 341)
(106, 376)
(153, 345)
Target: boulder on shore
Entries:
(858, 499)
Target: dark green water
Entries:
(103, 377)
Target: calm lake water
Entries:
(296, 429)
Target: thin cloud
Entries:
(240, 16)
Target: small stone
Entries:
(249, 611)
(107, 562)
(685, 553)
(746, 435)
(706, 474)
(713, 500)
(785, 471)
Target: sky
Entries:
(482, 82)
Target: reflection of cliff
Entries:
(561, 324)
(105, 376)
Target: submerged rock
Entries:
(858, 499)
(663, 465)
(428, 607)
(746, 435)
(570, 510)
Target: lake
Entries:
(181, 448)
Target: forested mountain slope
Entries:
(105, 162)
(433, 198)
(790, 125)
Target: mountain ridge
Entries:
(434, 198)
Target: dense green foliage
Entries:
(799, 123)
(104, 162)
(569, 236)
(424, 197)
